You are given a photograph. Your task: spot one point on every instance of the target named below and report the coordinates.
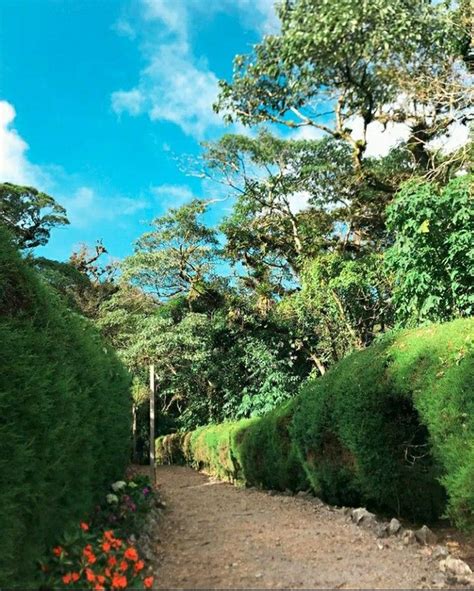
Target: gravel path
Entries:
(215, 535)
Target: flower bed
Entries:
(100, 554)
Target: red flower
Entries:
(119, 582)
(90, 575)
(138, 566)
(100, 579)
(148, 582)
(75, 577)
(112, 561)
(67, 578)
(106, 546)
(109, 535)
(84, 526)
(57, 551)
(89, 554)
(131, 554)
(99, 587)
(123, 566)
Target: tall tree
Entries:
(345, 63)
(29, 214)
(177, 257)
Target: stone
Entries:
(456, 567)
(303, 494)
(439, 552)
(438, 580)
(425, 536)
(408, 537)
(361, 516)
(394, 527)
(381, 530)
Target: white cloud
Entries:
(173, 195)
(123, 28)
(14, 164)
(86, 207)
(380, 139)
(456, 137)
(175, 85)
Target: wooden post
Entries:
(152, 425)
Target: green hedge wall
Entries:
(65, 412)
(390, 427)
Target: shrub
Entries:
(391, 427)
(64, 417)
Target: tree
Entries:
(345, 63)
(296, 200)
(342, 305)
(177, 256)
(29, 214)
(432, 259)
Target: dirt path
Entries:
(215, 535)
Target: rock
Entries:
(438, 580)
(425, 536)
(440, 552)
(303, 494)
(258, 576)
(394, 527)
(408, 537)
(363, 517)
(381, 530)
(456, 567)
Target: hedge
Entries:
(65, 410)
(390, 427)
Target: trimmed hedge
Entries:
(65, 411)
(390, 427)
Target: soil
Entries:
(215, 535)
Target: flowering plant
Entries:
(96, 555)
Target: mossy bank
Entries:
(391, 427)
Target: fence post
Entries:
(152, 425)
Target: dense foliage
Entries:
(391, 426)
(65, 416)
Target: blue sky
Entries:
(100, 98)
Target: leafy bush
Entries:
(432, 259)
(391, 426)
(65, 417)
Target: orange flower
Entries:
(57, 551)
(131, 554)
(112, 561)
(119, 582)
(123, 566)
(84, 526)
(109, 535)
(67, 578)
(106, 546)
(90, 575)
(116, 543)
(107, 572)
(148, 582)
(75, 577)
(100, 579)
(138, 566)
